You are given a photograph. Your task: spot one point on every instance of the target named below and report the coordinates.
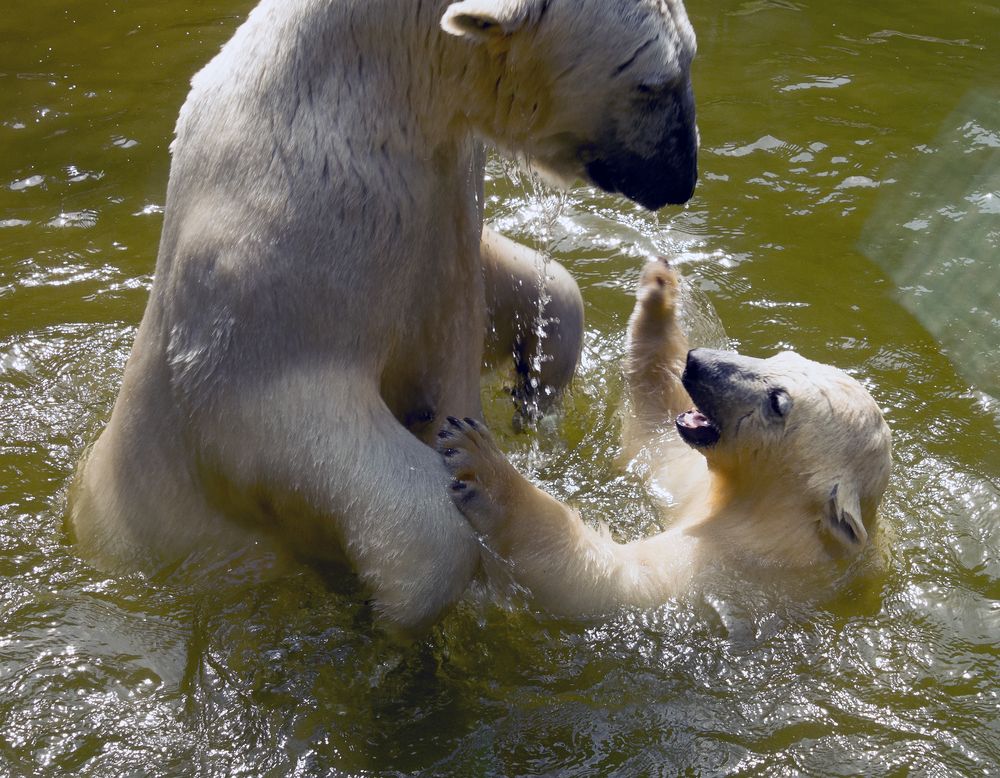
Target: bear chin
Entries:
(635, 178)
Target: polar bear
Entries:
(798, 457)
(320, 300)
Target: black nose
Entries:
(708, 365)
(694, 368)
(691, 366)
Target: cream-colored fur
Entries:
(320, 301)
(797, 454)
(657, 348)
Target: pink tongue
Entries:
(695, 418)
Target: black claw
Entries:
(459, 486)
(454, 422)
(449, 452)
(444, 434)
(472, 423)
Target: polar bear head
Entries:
(591, 89)
(791, 435)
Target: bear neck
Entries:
(374, 82)
(764, 522)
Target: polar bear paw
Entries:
(659, 287)
(481, 474)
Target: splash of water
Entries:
(539, 210)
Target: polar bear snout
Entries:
(638, 179)
(709, 365)
(654, 160)
(709, 380)
(710, 375)
(729, 391)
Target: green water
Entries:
(848, 208)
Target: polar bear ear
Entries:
(842, 514)
(483, 19)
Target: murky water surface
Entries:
(849, 208)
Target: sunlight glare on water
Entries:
(846, 209)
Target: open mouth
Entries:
(697, 429)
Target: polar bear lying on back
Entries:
(798, 457)
(323, 290)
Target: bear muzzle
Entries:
(647, 182)
(652, 161)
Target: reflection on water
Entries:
(846, 209)
(938, 236)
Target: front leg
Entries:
(657, 347)
(567, 567)
(535, 321)
(485, 486)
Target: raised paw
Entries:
(659, 287)
(479, 471)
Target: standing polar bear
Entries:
(321, 298)
(798, 457)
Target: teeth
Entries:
(697, 428)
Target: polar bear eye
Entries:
(779, 402)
